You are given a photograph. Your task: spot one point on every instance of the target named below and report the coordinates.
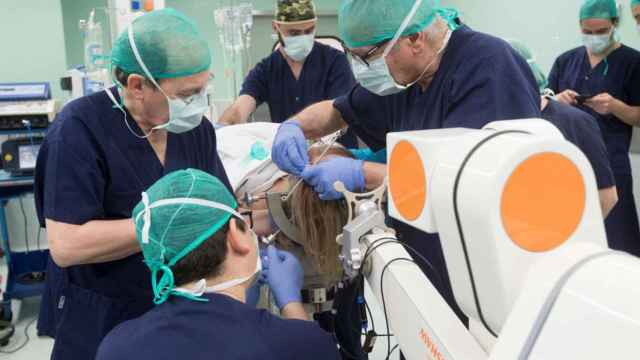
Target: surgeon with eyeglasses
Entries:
(100, 154)
(418, 67)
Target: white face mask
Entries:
(597, 44)
(298, 47)
(184, 115)
(377, 77)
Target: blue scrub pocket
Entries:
(87, 317)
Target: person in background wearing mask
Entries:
(635, 11)
(602, 79)
(300, 73)
(100, 154)
(579, 128)
(418, 68)
(203, 260)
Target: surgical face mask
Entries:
(377, 77)
(597, 44)
(184, 115)
(298, 47)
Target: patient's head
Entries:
(320, 221)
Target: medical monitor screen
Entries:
(28, 155)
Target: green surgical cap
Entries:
(598, 9)
(169, 43)
(525, 52)
(370, 22)
(174, 217)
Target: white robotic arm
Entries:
(516, 208)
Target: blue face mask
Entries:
(184, 114)
(298, 47)
(377, 77)
(597, 44)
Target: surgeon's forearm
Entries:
(94, 242)
(374, 174)
(294, 311)
(630, 115)
(239, 112)
(320, 119)
(608, 199)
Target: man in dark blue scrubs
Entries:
(206, 259)
(100, 154)
(431, 73)
(579, 128)
(602, 79)
(300, 73)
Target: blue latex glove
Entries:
(289, 149)
(324, 175)
(284, 275)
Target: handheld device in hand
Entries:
(581, 99)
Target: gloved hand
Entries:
(325, 174)
(283, 273)
(289, 149)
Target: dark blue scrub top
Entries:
(573, 71)
(582, 130)
(326, 74)
(222, 328)
(91, 167)
(481, 79)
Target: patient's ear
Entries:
(239, 240)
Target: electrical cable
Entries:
(384, 303)
(392, 240)
(26, 341)
(392, 350)
(39, 232)
(26, 228)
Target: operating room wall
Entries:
(202, 12)
(32, 49)
(32, 42)
(548, 27)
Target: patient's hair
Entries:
(320, 221)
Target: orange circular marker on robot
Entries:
(407, 181)
(543, 202)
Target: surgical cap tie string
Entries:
(146, 226)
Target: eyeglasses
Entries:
(188, 99)
(366, 58)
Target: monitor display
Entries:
(28, 154)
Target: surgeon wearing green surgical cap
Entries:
(635, 11)
(601, 77)
(205, 262)
(101, 152)
(418, 67)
